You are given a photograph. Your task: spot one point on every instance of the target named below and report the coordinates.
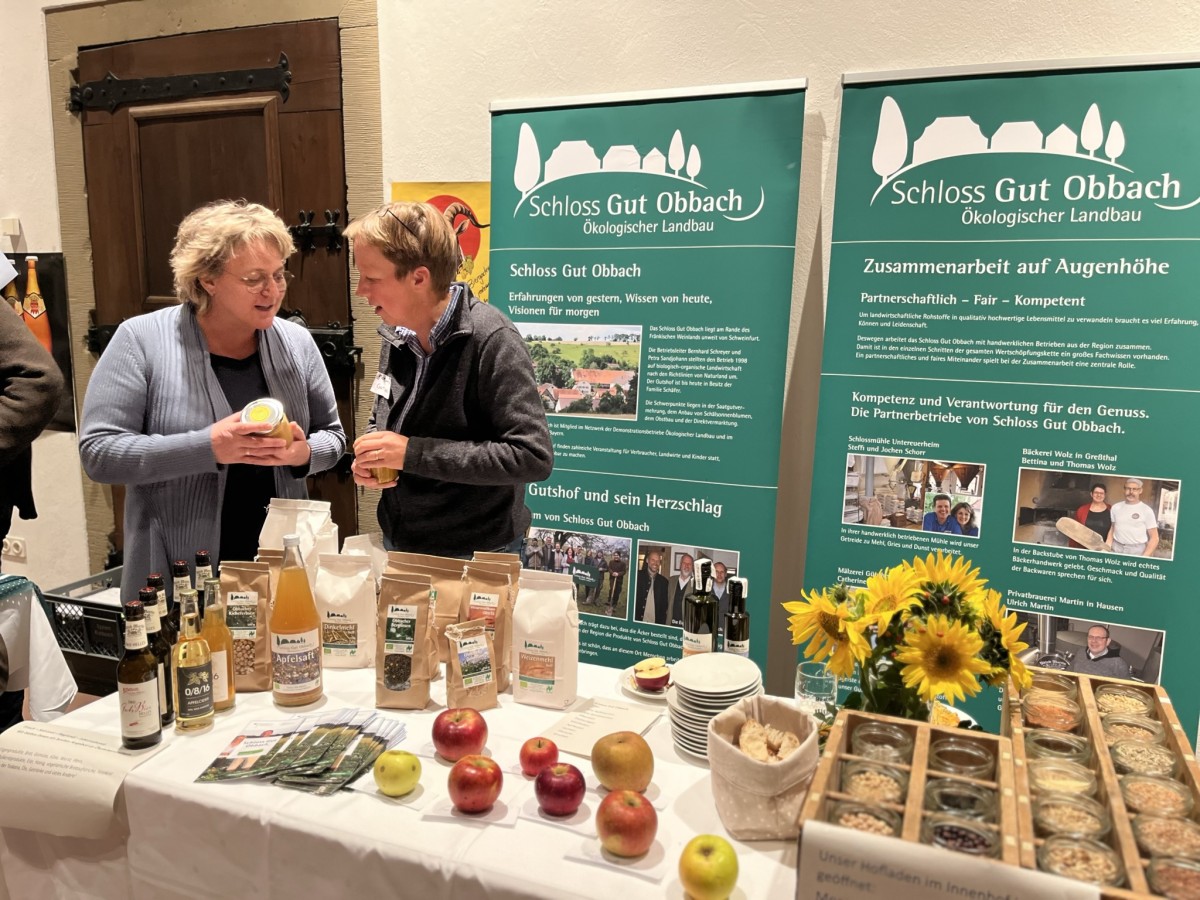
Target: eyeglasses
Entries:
(256, 284)
(407, 227)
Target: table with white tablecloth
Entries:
(252, 839)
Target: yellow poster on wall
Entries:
(469, 206)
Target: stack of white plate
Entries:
(703, 686)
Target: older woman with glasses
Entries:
(162, 413)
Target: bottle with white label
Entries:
(700, 613)
(191, 667)
(295, 633)
(737, 620)
(137, 684)
(162, 652)
(220, 645)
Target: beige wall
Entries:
(442, 63)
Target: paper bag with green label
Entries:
(404, 658)
(446, 573)
(471, 670)
(487, 595)
(246, 589)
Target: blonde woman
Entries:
(162, 410)
(457, 411)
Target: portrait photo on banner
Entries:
(935, 495)
(1100, 512)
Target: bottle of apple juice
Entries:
(295, 633)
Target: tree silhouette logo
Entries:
(570, 158)
(949, 136)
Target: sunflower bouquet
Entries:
(917, 632)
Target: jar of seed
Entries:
(1140, 758)
(1124, 727)
(1070, 814)
(1164, 836)
(1157, 796)
(1081, 859)
(1046, 743)
(1052, 776)
(1043, 709)
(874, 782)
(960, 798)
(882, 741)
(865, 817)
(1178, 879)
(968, 836)
(1054, 684)
(957, 756)
(1124, 699)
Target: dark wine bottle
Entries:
(700, 613)
(137, 684)
(161, 648)
(737, 620)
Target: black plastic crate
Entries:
(83, 626)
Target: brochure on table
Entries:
(1011, 326)
(644, 248)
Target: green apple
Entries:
(397, 772)
(708, 868)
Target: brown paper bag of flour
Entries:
(488, 595)
(246, 590)
(274, 559)
(404, 657)
(446, 573)
(471, 669)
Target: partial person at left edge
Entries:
(162, 414)
(30, 387)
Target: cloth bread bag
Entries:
(760, 801)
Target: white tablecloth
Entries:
(259, 840)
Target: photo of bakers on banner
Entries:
(918, 636)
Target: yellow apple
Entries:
(623, 761)
(397, 772)
(708, 868)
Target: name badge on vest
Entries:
(381, 386)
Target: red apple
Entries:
(475, 783)
(627, 823)
(559, 789)
(623, 761)
(458, 733)
(536, 754)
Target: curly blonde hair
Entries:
(411, 235)
(209, 236)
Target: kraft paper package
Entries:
(471, 670)
(368, 545)
(404, 657)
(761, 801)
(246, 590)
(446, 573)
(545, 640)
(274, 561)
(487, 595)
(345, 598)
(311, 520)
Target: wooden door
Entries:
(148, 163)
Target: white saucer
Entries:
(630, 685)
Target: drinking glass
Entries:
(815, 686)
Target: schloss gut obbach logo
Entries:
(946, 137)
(677, 208)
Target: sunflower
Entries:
(891, 593)
(1008, 632)
(942, 658)
(829, 630)
(949, 585)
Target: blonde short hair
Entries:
(410, 235)
(208, 237)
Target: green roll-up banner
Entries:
(1010, 367)
(644, 248)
